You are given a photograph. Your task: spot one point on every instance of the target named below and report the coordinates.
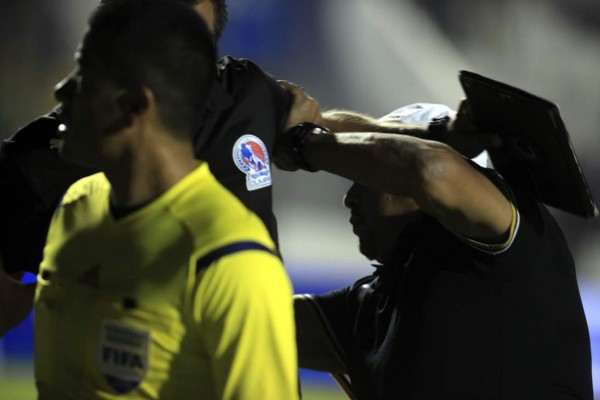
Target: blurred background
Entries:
(370, 56)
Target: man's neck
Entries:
(144, 175)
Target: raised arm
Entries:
(306, 108)
(456, 130)
(440, 180)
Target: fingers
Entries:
(304, 108)
(293, 88)
(297, 92)
(488, 139)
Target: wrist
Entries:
(300, 135)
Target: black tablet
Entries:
(537, 155)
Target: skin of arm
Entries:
(441, 181)
(437, 177)
(307, 109)
(460, 134)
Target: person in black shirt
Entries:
(474, 293)
(235, 135)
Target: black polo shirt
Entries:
(247, 109)
(236, 136)
(450, 321)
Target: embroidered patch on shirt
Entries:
(123, 355)
(251, 157)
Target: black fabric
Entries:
(247, 101)
(317, 345)
(32, 181)
(448, 321)
(33, 178)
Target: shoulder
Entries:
(86, 188)
(536, 219)
(213, 216)
(234, 73)
(248, 281)
(232, 65)
(251, 281)
(509, 237)
(532, 224)
(255, 269)
(238, 75)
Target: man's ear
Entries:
(129, 103)
(133, 101)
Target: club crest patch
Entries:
(123, 355)
(251, 157)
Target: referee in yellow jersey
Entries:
(156, 282)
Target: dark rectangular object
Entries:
(537, 155)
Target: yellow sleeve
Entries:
(244, 311)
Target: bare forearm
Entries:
(383, 162)
(350, 121)
(436, 177)
(463, 138)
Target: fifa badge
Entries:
(123, 355)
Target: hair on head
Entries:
(220, 10)
(160, 44)
(221, 17)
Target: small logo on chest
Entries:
(123, 355)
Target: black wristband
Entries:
(300, 134)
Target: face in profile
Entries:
(378, 219)
(88, 109)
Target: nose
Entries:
(351, 197)
(65, 89)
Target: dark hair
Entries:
(221, 14)
(221, 17)
(161, 44)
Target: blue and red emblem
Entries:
(251, 157)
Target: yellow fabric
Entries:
(120, 301)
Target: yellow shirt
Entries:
(122, 310)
